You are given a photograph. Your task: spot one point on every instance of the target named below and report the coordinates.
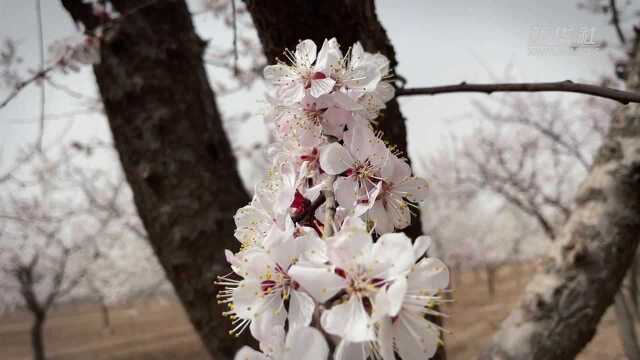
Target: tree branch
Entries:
(615, 21)
(623, 97)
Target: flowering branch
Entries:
(621, 96)
(22, 84)
(330, 207)
(296, 284)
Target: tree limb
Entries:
(621, 96)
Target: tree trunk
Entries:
(490, 271)
(37, 339)
(106, 318)
(174, 151)
(563, 305)
(626, 326)
(282, 24)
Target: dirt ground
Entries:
(158, 330)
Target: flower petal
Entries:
(420, 246)
(349, 320)
(247, 353)
(305, 53)
(335, 159)
(320, 87)
(428, 276)
(415, 338)
(318, 280)
(392, 255)
(348, 350)
(301, 308)
(346, 192)
(306, 343)
(378, 214)
(413, 188)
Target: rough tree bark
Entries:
(563, 305)
(174, 151)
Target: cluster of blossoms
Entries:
(318, 257)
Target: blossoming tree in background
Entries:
(318, 258)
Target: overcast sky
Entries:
(436, 42)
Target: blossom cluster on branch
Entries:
(319, 259)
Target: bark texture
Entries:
(174, 151)
(562, 306)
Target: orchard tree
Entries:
(178, 161)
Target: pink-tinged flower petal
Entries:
(346, 246)
(335, 159)
(415, 338)
(428, 276)
(329, 56)
(309, 135)
(349, 320)
(306, 343)
(334, 121)
(306, 53)
(365, 202)
(344, 101)
(384, 92)
(366, 80)
(393, 255)
(396, 293)
(320, 87)
(385, 339)
(400, 215)
(255, 263)
(420, 246)
(347, 350)
(271, 315)
(291, 92)
(346, 192)
(382, 222)
(401, 170)
(279, 74)
(301, 308)
(413, 188)
(246, 298)
(318, 280)
(358, 140)
(247, 353)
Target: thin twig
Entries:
(615, 21)
(329, 208)
(41, 70)
(310, 210)
(620, 96)
(235, 38)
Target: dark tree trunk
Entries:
(490, 271)
(37, 339)
(106, 318)
(174, 151)
(282, 24)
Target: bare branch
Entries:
(620, 96)
(615, 21)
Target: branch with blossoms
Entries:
(319, 260)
